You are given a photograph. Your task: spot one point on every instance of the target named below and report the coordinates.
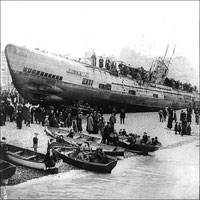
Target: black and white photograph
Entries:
(99, 100)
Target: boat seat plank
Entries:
(17, 152)
(30, 157)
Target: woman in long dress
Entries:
(170, 120)
(90, 124)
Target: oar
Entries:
(64, 147)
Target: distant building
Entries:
(5, 78)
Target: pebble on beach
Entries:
(24, 174)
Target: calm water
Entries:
(172, 172)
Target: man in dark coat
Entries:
(107, 64)
(11, 112)
(160, 112)
(95, 120)
(182, 116)
(24, 113)
(189, 117)
(38, 115)
(179, 128)
(19, 119)
(33, 114)
(176, 128)
(112, 122)
(188, 129)
(115, 139)
(93, 59)
(144, 138)
(51, 119)
(174, 116)
(197, 118)
(101, 62)
(65, 114)
(184, 128)
(2, 115)
(43, 114)
(106, 133)
(170, 119)
(90, 124)
(79, 122)
(122, 116)
(164, 114)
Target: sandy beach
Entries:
(134, 123)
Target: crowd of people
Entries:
(18, 110)
(136, 139)
(183, 125)
(139, 74)
(24, 113)
(178, 85)
(84, 152)
(96, 124)
(81, 151)
(61, 117)
(14, 108)
(115, 68)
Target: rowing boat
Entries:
(55, 132)
(108, 149)
(7, 170)
(30, 159)
(105, 167)
(142, 148)
(113, 152)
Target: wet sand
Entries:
(134, 123)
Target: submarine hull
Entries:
(50, 80)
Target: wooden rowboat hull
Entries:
(108, 149)
(25, 163)
(90, 166)
(138, 147)
(107, 152)
(35, 163)
(55, 132)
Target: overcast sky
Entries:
(106, 27)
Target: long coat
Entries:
(79, 122)
(19, 119)
(174, 117)
(189, 117)
(122, 113)
(24, 113)
(170, 120)
(90, 124)
(176, 127)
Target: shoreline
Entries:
(134, 122)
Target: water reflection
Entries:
(135, 177)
